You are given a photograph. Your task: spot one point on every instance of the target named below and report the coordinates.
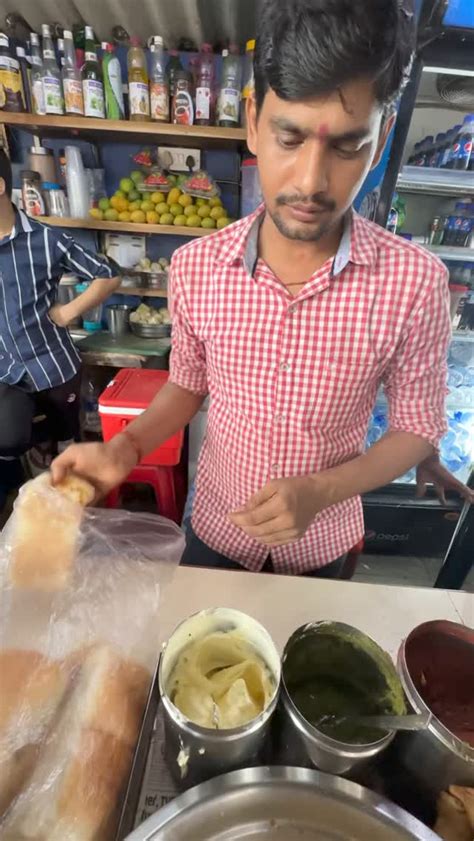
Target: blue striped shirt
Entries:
(32, 259)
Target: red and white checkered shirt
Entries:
(292, 380)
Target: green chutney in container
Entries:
(332, 671)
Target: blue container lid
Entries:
(50, 185)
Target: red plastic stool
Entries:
(162, 480)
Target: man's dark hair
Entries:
(6, 172)
(308, 48)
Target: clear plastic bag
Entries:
(76, 666)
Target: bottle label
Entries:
(37, 95)
(93, 98)
(32, 201)
(203, 103)
(159, 101)
(53, 95)
(114, 76)
(139, 99)
(183, 109)
(91, 57)
(48, 54)
(73, 98)
(10, 84)
(229, 105)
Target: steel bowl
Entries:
(444, 651)
(196, 753)
(281, 804)
(150, 331)
(301, 741)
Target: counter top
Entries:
(282, 603)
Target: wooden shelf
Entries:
(144, 291)
(123, 227)
(126, 131)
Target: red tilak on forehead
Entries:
(322, 132)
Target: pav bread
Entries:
(74, 792)
(31, 690)
(44, 532)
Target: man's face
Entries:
(313, 156)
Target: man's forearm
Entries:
(99, 290)
(388, 459)
(170, 411)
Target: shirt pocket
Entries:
(345, 390)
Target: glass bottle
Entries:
(204, 85)
(159, 93)
(72, 82)
(229, 97)
(138, 93)
(114, 104)
(92, 86)
(52, 87)
(10, 78)
(37, 91)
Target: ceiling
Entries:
(199, 20)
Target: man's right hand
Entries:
(105, 465)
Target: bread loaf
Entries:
(75, 791)
(45, 533)
(31, 690)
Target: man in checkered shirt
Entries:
(291, 319)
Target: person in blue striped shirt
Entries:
(39, 365)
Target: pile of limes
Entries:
(128, 204)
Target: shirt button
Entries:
(275, 468)
(291, 310)
(284, 366)
(279, 418)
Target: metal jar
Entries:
(196, 753)
(435, 758)
(301, 742)
(118, 316)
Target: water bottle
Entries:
(414, 155)
(463, 144)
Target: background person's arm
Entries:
(99, 290)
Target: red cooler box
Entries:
(126, 397)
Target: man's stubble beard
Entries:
(301, 235)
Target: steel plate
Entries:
(281, 804)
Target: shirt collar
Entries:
(21, 224)
(358, 244)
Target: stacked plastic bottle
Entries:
(453, 149)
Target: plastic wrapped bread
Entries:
(78, 664)
(44, 532)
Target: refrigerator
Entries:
(418, 197)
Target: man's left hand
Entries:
(59, 315)
(283, 510)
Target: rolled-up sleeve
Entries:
(188, 367)
(415, 381)
(82, 262)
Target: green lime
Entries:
(180, 220)
(194, 221)
(207, 222)
(166, 219)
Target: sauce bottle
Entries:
(11, 93)
(52, 87)
(229, 97)
(204, 83)
(139, 98)
(159, 93)
(114, 104)
(183, 105)
(92, 85)
(174, 66)
(37, 90)
(72, 82)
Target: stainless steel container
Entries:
(118, 319)
(196, 753)
(150, 331)
(302, 742)
(435, 758)
(281, 804)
